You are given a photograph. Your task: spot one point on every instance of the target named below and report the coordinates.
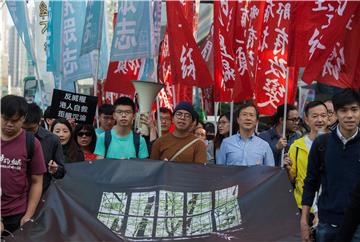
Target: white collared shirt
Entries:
(343, 139)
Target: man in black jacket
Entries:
(53, 153)
(333, 164)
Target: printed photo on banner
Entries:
(75, 106)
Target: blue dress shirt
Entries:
(236, 150)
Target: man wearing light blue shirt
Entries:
(245, 148)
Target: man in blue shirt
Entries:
(245, 148)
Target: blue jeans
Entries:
(326, 232)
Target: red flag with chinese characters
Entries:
(329, 59)
(187, 65)
(272, 68)
(247, 36)
(207, 52)
(164, 75)
(228, 84)
(342, 63)
(119, 76)
(225, 74)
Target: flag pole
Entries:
(285, 114)
(231, 117)
(158, 115)
(174, 96)
(231, 112)
(216, 108)
(95, 85)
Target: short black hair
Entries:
(12, 105)
(106, 109)
(280, 112)
(164, 110)
(47, 112)
(34, 114)
(345, 97)
(311, 105)
(246, 105)
(126, 101)
(209, 127)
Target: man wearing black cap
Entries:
(180, 145)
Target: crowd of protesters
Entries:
(321, 154)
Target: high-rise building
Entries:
(3, 50)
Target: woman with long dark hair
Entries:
(85, 137)
(72, 152)
(223, 131)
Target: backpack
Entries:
(323, 139)
(30, 143)
(136, 140)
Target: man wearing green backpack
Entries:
(121, 142)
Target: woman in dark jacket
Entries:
(72, 152)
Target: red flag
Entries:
(187, 65)
(247, 35)
(225, 70)
(164, 75)
(273, 55)
(341, 65)
(119, 77)
(207, 52)
(327, 44)
(184, 93)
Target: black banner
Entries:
(75, 106)
(133, 200)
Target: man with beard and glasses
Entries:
(180, 145)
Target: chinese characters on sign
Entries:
(75, 106)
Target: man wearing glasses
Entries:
(274, 135)
(180, 145)
(122, 143)
(331, 113)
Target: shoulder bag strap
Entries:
(182, 149)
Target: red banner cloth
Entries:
(273, 56)
(327, 45)
(187, 65)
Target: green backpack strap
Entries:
(107, 141)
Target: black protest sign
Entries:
(75, 106)
(136, 200)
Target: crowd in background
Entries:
(324, 179)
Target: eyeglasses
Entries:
(185, 115)
(223, 123)
(165, 119)
(81, 134)
(121, 112)
(295, 120)
(330, 113)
